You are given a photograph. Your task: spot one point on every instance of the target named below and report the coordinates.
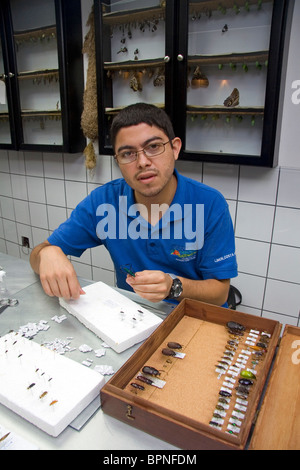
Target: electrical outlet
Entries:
(25, 242)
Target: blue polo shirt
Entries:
(194, 239)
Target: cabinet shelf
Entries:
(134, 64)
(129, 17)
(33, 113)
(48, 32)
(46, 73)
(237, 110)
(233, 58)
(113, 111)
(214, 5)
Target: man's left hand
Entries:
(151, 285)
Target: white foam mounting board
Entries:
(62, 388)
(114, 318)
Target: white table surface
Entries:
(101, 432)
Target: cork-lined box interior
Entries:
(189, 397)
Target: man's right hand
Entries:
(56, 272)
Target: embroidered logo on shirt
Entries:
(183, 255)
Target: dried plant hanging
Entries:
(89, 117)
(90, 158)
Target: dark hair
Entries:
(139, 113)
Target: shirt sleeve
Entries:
(218, 257)
(77, 233)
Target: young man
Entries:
(175, 234)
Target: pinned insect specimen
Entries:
(159, 79)
(53, 402)
(223, 400)
(257, 348)
(123, 50)
(173, 345)
(225, 394)
(30, 386)
(199, 79)
(43, 395)
(213, 423)
(246, 382)
(243, 390)
(151, 371)
(233, 99)
(137, 386)
(262, 345)
(220, 408)
(4, 437)
(247, 374)
(135, 82)
(147, 381)
(168, 352)
(232, 325)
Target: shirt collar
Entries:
(170, 215)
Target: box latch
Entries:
(129, 412)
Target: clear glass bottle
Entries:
(3, 288)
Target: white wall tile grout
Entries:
(49, 189)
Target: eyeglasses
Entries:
(151, 150)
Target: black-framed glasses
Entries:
(151, 150)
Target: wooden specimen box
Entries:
(183, 412)
(278, 423)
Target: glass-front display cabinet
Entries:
(134, 46)
(6, 112)
(43, 55)
(215, 66)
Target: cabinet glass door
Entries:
(5, 134)
(228, 52)
(134, 56)
(35, 41)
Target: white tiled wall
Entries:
(38, 191)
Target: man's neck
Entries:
(152, 208)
